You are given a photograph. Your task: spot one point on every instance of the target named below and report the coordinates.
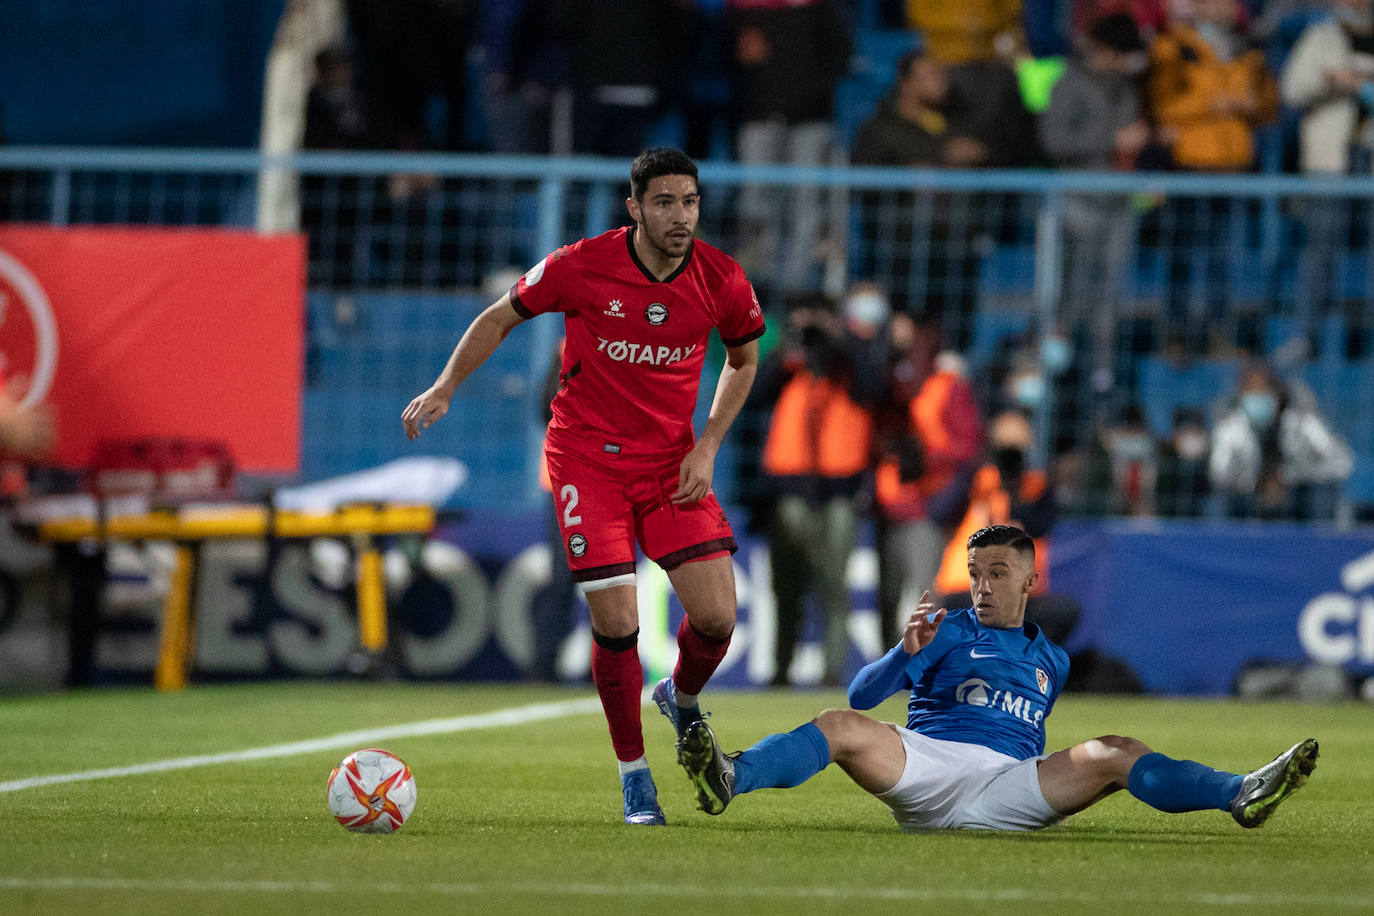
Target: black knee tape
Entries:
(617, 643)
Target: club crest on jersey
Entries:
(577, 545)
(613, 309)
(656, 314)
(1042, 680)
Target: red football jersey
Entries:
(635, 344)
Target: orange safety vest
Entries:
(990, 504)
(927, 416)
(817, 429)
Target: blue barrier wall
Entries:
(1185, 605)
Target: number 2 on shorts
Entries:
(569, 497)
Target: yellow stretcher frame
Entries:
(189, 527)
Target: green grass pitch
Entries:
(517, 818)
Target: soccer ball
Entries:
(371, 791)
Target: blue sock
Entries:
(1181, 785)
(782, 761)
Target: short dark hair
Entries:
(655, 163)
(1004, 536)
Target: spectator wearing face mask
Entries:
(1123, 469)
(1182, 485)
(1274, 455)
(1007, 490)
(1036, 373)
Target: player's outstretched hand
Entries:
(921, 628)
(421, 413)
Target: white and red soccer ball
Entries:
(371, 791)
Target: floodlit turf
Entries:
(526, 818)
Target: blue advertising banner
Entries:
(1187, 604)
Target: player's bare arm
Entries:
(736, 378)
(479, 341)
(923, 625)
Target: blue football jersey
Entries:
(986, 686)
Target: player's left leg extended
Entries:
(1074, 778)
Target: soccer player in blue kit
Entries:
(972, 754)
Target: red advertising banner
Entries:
(131, 332)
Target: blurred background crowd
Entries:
(879, 400)
(1163, 378)
(1023, 260)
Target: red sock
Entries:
(697, 658)
(619, 678)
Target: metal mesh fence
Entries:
(1092, 302)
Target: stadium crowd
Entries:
(1206, 86)
(1099, 86)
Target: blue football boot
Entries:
(665, 696)
(641, 799)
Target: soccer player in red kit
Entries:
(638, 304)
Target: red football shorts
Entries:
(605, 507)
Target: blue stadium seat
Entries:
(855, 100)
(876, 52)
(1009, 270)
(1332, 333)
(990, 328)
(1278, 330)
(872, 69)
(1166, 386)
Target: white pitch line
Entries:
(519, 715)
(714, 891)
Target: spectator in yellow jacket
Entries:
(1209, 90)
(959, 31)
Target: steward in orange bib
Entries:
(815, 458)
(920, 485)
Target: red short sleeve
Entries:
(741, 316)
(538, 290)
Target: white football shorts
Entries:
(950, 784)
